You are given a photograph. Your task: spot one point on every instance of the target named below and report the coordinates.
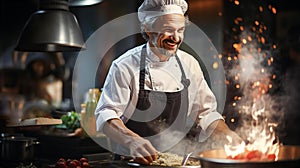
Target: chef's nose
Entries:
(175, 36)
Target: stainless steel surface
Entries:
(186, 158)
(17, 148)
(53, 28)
(289, 156)
(83, 2)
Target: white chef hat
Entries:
(154, 8)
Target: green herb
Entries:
(71, 120)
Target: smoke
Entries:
(258, 110)
(187, 145)
(249, 64)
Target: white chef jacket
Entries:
(120, 91)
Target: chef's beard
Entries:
(163, 51)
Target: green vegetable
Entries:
(71, 120)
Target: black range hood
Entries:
(53, 28)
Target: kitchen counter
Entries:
(68, 147)
(46, 163)
(51, 147)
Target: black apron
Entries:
(159, 111)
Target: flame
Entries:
(261, 136)
(251, 78)
(234, 150)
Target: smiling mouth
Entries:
(170, 44)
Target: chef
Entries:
(153, 90)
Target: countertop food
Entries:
(170, 159)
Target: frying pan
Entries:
(288, 157)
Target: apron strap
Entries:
(186, 82)
(142, 68)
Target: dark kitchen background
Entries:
(273, 26)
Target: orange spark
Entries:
(270, 86)
(249, 38)
(263, 40)
(274, 10)
(261, 9)
(236, 2)
(244, 41)
(242, 28)
(234, 104)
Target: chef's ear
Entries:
(147, 30)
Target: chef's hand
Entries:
(141, 149)
(220, 129)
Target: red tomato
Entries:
(60, 164)
(254, 155)
(271, 156)
(68, 161)
(239, 156)
(77, 162)
(83, 160)
(85, 165)
(72, 164)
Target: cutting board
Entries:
(36, 122)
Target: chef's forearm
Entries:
(218, 126)
(118, 132)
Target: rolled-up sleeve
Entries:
(207, 119)
(105, 116)
(114, 97)
(203, 102)
(208, 106)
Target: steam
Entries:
(259, 111)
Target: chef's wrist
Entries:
(217, 126)
(115, 129)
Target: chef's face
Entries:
(167, 34)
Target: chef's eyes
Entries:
(181, 30)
